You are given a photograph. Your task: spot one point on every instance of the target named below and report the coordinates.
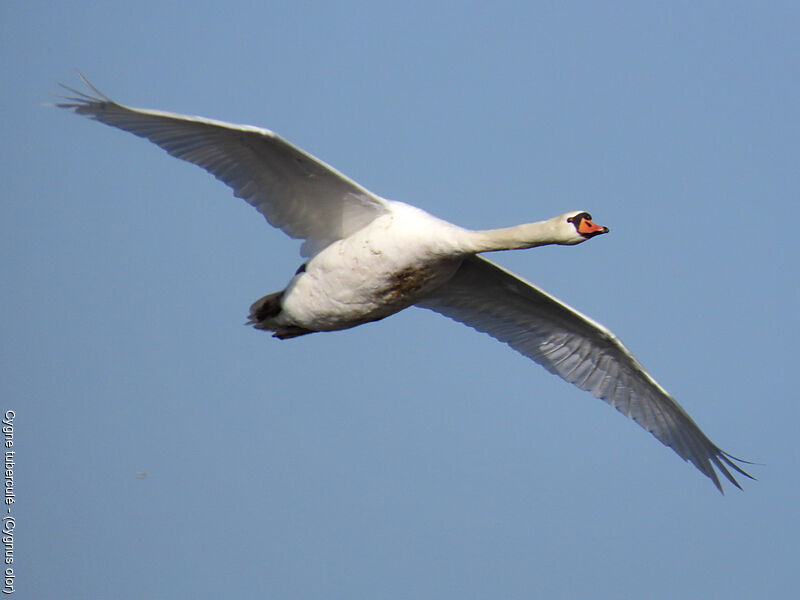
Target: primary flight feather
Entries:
(368, 258)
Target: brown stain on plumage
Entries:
(406, 284)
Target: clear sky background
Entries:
(412, 458)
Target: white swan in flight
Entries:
(368, 258)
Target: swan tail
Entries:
(263, 313)
(264, 310)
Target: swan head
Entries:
(576, 226)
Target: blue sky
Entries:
(411, 458)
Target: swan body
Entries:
(379, 270)
(390, 264)
(368, 258)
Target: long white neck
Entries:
(528, 235)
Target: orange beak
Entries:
(586, 227)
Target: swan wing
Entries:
(577, 349)
(295, 191)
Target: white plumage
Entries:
(369, 258)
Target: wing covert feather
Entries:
(295, 191)
(577, 349)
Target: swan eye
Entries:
(576, 220)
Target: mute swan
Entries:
(368, 258)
